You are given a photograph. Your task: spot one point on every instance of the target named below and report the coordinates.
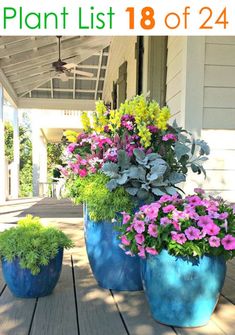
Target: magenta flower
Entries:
(151, 251)
(228, 242)
(165, 198)
(194, 200)
(223, 216)
(168, 209)
(211, 229)
(152, 212)
(192, 233)
(152, 129)
(214, 242)
(168, 137)
(205, 220)
(71, 147)
(125, 217)
(139, 238)
(124, 240)
(82, 173)
(165, 220)
(152, 230)
(139, 226)
(179, 238)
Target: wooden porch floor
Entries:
(78, 306)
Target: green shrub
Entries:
(34, 244)
(103, 204)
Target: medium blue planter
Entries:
(182, 292)
(111, 267)
(25, 285)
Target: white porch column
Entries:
(16, 161)
(2, 152)
(39, 148)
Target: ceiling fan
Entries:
(63, 69)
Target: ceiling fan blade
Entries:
(70, 66)
(83, 73)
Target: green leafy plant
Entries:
(102, 204)
(9, 150)
(34, 244)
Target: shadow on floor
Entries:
(54, 208)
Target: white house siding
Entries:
(122, 49)
(219, 114)
(174, 81)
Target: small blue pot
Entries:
(23, 284)
(111, 267)
(182, 292)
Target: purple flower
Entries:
(71, 147)
(194, 200)
(152, 129)
(139, 238)
(211, 229)
(152, 211)
(192, 233)
(223, 216)
(165, 198)
(179, 238)
(139, 226)
(214, 242)
(205, 220)
(228, 242)
(152, 230)
(151, 251)
(199, 190)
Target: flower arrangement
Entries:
(136, 149)
(193, 226)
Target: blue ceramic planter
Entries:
(25, 285)
(182, 292)
(111, 267)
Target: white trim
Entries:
(66, 104)
(8, 88)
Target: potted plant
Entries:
(135, 152)
(184, 245)
(32, 257)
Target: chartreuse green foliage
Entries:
(103, 204)
(34, 244)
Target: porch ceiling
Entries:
(26, 70)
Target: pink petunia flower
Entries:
(199, 190)
(223, 216)
(139, 226)
(228, 242)
(192, 233)
(125, 217)
(179, 238)
(141, 252)
(165, 220)
(152, 230)
(214, 241)
(168, 209)
(204, 220)
(151, 251)
(124, 240)
(151, 211)
(139, 238)
(211, 229)
(165, 198)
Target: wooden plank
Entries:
(219, 97)
(15, 314)
(219, 76)
(219, 118)
(229, 289)
(137, 316)
(97, 311)
(220, 54)
(210, 329)
(224, 316)
(4, 40)
(220, 39)
(35, 103)
(56, 314)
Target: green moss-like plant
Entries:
(34, 244)
(102, 204)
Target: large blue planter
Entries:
(25, 285)
(111, 267)
(182, 292)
